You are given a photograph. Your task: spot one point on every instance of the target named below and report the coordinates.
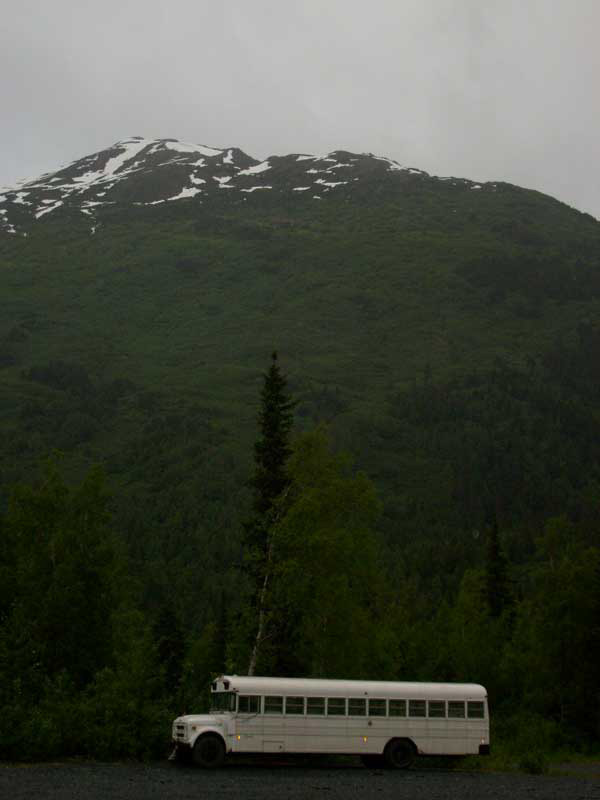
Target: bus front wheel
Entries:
(209, 751)
(399, 753)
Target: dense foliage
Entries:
(448, 340)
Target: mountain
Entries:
(447, 332)
(146, 172)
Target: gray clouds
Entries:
(484, 89)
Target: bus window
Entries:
(416, 708)
(294, 705)
(377, 708)
(456, 708)
(315, 705)
(357, 707)
(475, 709)
(397, 708)
(222, 701)
(273, 705)
(437, 708)
(336, 706)
(248, 704)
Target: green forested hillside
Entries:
(449, 339)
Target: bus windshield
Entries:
(222, 701)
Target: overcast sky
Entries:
(483, 89)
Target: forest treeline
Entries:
(99, 651)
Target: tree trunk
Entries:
(261, 634)
(262, 601)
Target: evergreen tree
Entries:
(272, 450)
(270, 482)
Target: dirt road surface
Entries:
(268, 781)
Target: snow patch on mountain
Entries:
(183, 147)
(331, 184)
(129, 149)
(187, 191)
(48, 209)
(393, 165)
(262, 167)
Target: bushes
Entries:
(125, 709)
(110, 720)
(79, 671)
(528, 739)
(122, 713)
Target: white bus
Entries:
(384, 723)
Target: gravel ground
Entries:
(92, 781)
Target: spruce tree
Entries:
(270, 482)
(271, 453)
(272, 450)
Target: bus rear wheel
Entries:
(209, 751)
(399, 753)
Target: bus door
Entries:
(248, 724)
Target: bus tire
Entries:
(209, 751)
(399, 753)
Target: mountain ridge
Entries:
(147, 172)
